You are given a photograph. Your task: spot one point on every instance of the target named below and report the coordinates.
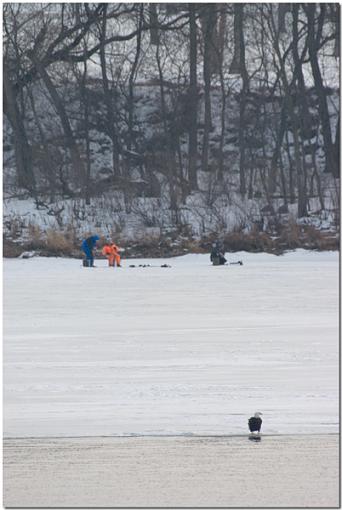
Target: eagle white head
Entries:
(257, 415)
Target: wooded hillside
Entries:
(204, 118)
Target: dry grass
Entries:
(59, 243)
(306, 236)
(317, 240)
(253, 241)
(52, 242)
(66, 243)
(290, 236)
(35, 235)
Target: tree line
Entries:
(267, 58)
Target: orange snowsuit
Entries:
(111, 251)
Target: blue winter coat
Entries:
(89, 243)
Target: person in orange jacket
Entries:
(112, 252)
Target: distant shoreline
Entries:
(288, 239)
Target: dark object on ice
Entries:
(217, 255)
(254, 437)
(254, 424)
(87, 247)
(218, 260)
(148, 265)
(239, 262)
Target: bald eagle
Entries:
(254, 423)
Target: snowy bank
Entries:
(295, 472)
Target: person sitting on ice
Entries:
(87, 246)
(217, 255)
(112, 252)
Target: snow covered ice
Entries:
(191, 349)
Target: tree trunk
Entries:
(302, 199)
(331, 163)
(77, 164)
(223, 127)
(293, 117)
(283, 9)
(291, 170)
(171, 159)
(84, 99)
(132, 77)
(208, 25)
(337, 143)
(306, 124)
(272, 177)
(283, 180)
(337, 49)
(22, 149)
(108, 98)
(193, 100)
(239, 65)
(47, 160)
(154, 35)
(235, 65)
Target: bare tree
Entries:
(132, 77)
(315, 27)
(23, 152)
(108, 97)
(13, 108)
(170, 160)
(193, 100)
(238, 66)
(283, 9)
(305, 117)
(208, 20)
(70, 141)
(154, 34)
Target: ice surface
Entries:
(191, 349)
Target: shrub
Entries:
(253, 241)
(35, 238)
(15, 228)
(290, 236)
(58, 243)
(11, 249)
(34, 233)
(317, 240)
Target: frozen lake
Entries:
(191, 349)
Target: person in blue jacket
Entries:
(87, 246)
